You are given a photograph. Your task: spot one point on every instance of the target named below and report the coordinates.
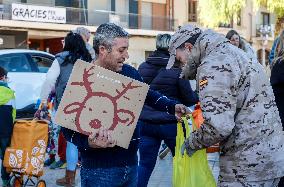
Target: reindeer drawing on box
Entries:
(87, 106)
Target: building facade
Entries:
(42, 25)
(247, 23)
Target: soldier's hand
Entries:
(101, 139)
(181, 110)
(185, 147)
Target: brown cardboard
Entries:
(96, 97)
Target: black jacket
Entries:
(6, 111)
(277, 83)
(168, 83)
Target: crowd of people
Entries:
(241, 107)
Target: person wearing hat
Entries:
(238, 107)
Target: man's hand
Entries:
(101, 139)
(181, 110)
(185, 147)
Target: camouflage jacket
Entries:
(239, 110)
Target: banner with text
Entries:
(38, 13)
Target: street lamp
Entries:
(264, 30)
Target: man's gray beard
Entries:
(189, 71)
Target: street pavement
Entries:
(161, 176)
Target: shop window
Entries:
(120, 8)
(146, 12)
(192, 10)
(133, 11)
(265, 18)
(68, 3)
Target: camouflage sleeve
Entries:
(218, 98)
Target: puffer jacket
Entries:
(239, 109)
(277, 83)
(168, 83)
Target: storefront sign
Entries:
(38, 13)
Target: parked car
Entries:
(26, 73)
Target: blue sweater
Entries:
(117, 156)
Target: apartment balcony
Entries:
(79, 16)
(266, 29)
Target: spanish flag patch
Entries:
(203, 82)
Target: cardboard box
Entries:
(96, 97)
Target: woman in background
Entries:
(277, 81)
(57, 78)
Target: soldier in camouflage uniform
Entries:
(238, 107)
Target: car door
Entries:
(26, 74)
(18, 67)
(42, 62)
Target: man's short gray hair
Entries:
(105, 35)
(163, 41)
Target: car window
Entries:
(15, 62)
(43, 63)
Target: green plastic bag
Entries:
(191, 171)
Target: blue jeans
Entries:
(109, 177)
(151, 136)
(71, 156)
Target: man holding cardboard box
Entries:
(104, 163)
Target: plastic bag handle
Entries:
(187, 129)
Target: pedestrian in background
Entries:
(277, 81)
(72, 153)
(7, 118)
(238, 107)
(239, 42)
(53, 147)
(157, 126)
(277, 76)
(57, 77)
(275, 48)
(86, 34)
